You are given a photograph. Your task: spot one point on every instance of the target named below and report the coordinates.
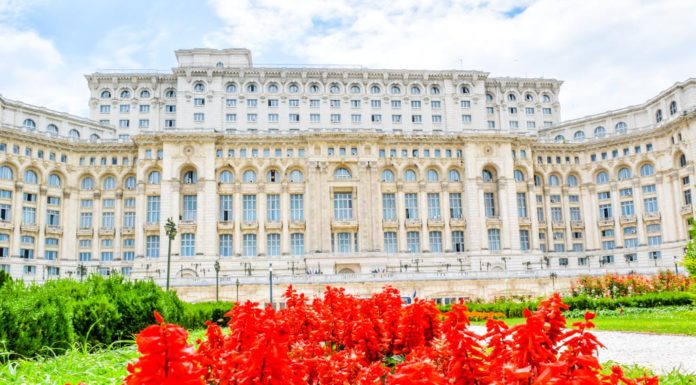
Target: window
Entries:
(390, 245)
(342, 173)
(106, 94)
(649, 189)
(6, 173)
(605, 211)
(225, 208)
(658, 116)
(455, 201)
(620, 128)
(296, 207)
(154, 177)
(30, 177)
(602, 177)
(494, 239)
(650, 205)
(522, 205)
(273, 208)
(107, 220)
(249, 207)
(297, 246)
(435, 238)
(672, 108)
(153, 209)
(190, 208)
(389, 206)
(524, 240)
(387, 176)
(188, 245)
(124, 108)
(647, 170)
(249, 176)
(273, 244)
(487, 175)
(413, 241)
(624, 173)
(434, 206)
(411, 205)
(225, 177)
(109, 183)
(627, 208)
(343, 206)
(454, 176)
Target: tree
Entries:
(690, 256)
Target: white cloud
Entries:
(609, 53)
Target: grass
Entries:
(669, 320)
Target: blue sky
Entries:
(609, 53)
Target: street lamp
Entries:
(676, 265)
(553, 280)
(237, 283)
(170, 229)
(217, 282)
(270, 282)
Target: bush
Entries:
(614, 285)
(195, 314)
(61, 312)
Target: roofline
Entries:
(41, 110)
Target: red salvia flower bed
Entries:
(340, 339)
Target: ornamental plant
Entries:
(343, 340)
(615, 285)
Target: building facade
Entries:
(338, 172)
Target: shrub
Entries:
(196, 314)
(614, 285)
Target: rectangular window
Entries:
(529, 110)
(230, 118)
(225, 208)
(524, 240)
(411, 205)
(376, 118)
(273, 208)
(152, 246)
(225, 245)
(650, 205)
(556, 214)
(413, 241)
(389, 207)
(458, 241)
(129, 219)
(390, 245)
(53, 217)
(489, 204)
(396, 119)
(296, 207)
(249, 244)
(494, 239)
(107, 220)
(434, 206)
(252, 118)
(343, 206)
(144, 108)
(314, 118)
(521, 205)
(124, 108)
(296, 103)
(188, 245)
(294, 118)
(627, 208)
(355, 118)
(654, 240)
(436, 119)
(190, 209)
(649, 189)
(297, 244)
(231, 102)
(575, 214)
(605, 211)
(153, 209)
(273, 244)
(249, 208)
(455, 201)
(435, 238)
(376, 103)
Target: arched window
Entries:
(334, 88)
(125, 94)
(87, 183)
(252, 88)
(93, 137)
(554, 180)
(415, 90)
(249, 176)
(647, 170)
(294, 88)
(296, 176)
(154, 177)
(29, 124)
(198, 87)
(433, 176)
(144, 94)
(342, 173)
(620, 128)
(52, 129)
(602, 177)
(30, 177)
(410, 176)
(6, 173)
(74, 134)
(487, 175)
(572, 180)
(454, 176)
(519, 176)
(435, 90)
(314, 88)
(130, 183)
(538, 182)
(464, 90)
(600, 132)
(109, 183)
(231, 88)
(355, 89)
(170, 93)
(658, 116)
(559, 139)
(54, 180)
(579, 136)
(388, 176)
(106, 94)
(225, 177)
(395, 89)
(545, 98)
(489, 97)
(375, 89)
(624, 173)
(190, 177)
(673, 108)
(273, 88)
(273, 176)
(512, 98)
(682, 160)
(529, 97)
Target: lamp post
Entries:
(270, 282)
(553, 280)
(217, 282)
(170, 229)
(237, 284)
(676, 266)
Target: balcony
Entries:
(524, 221)
(542, 223)
(152, 226)
(54, 229)
(687, 210)
(390, 223)
(436, 222)
(624, 219)
(30, 227)
(297, 224)
(344, 224)
(6, 225)
(413, 223)
(127, 230)
(106, 231)
(250, 225)
(457, 222)
(651, 217)
(226, 226)
(273, 225)
(187, 226)
(607, 222)
(558, 224)
(85, 232)
(493, 222)
(577, 224)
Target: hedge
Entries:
(195, 314)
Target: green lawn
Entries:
(679, 320)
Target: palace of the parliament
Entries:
(341, 175)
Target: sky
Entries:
(609, 53)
